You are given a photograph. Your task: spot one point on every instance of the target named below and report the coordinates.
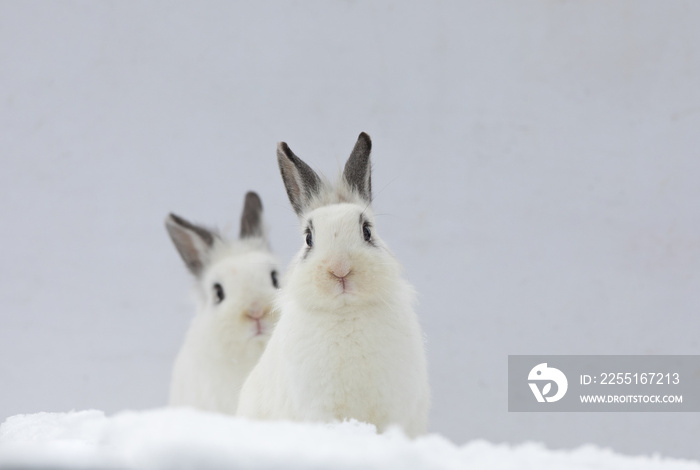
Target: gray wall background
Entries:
(536, 165)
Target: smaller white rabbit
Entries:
(348, 344)
(236, 283)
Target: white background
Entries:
(536, 165)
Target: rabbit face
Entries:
(241, 290)
(343, 262)
(237, 279)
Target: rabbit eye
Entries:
(275, 283)
(309, 239)
(218, 293)
(366, 232)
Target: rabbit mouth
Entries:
(257, 316)
(340, 281)
(258, 328)
(342, 286)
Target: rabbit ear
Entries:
(192, 242)
(301, 182)
(358, 171)
(251, 219)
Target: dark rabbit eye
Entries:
(275, 283)
(309, 239)
(366, 232)
(218, 293)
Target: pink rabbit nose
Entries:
(340, 269)
(255, 312)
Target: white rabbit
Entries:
(236, 283)
(348, 343)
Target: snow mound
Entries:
(183, 438)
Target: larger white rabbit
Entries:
(348, 343)
(236, 285)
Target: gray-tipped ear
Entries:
(301, 182)
(251, 219)
(192, 242)
(358, 170)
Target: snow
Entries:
(185, 438)
(536, 169)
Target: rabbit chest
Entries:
(354, 365)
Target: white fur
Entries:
(222, 344)
(337, 354)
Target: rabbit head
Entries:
(236, 280)
(342, 263)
